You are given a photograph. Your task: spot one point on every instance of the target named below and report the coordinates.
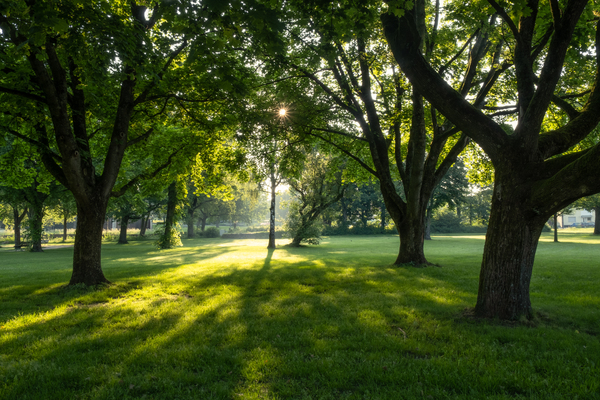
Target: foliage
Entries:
(167, 241)
(370, 229)
(319, 187)
(210, 232)
(296, 227)
(113, 93)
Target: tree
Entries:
(126, 209)
(316, 189)
(363, 106)
(65, 203)
(93, 83)
(170, 237)
(543, 164)
(275, 150)
(26, 181)
(14, 199)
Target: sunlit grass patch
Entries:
(229, 319)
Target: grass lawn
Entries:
(227, 319)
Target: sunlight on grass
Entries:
(228, 319)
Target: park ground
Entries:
(228, 319)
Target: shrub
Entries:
(164, 242)
(359, 230)
(212, 232)
(446, 221)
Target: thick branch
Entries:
(26, 95)
(530, 124)
(401, 36)
(560, 140)
(576, 180)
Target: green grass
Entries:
(226, 319)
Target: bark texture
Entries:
(87, 252)
(508, 256)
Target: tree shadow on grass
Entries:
(127, 269)
(282, 329)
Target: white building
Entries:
(577, 217)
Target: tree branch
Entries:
(141, 98)
(348, 153)
(26, 95)
(123, 189)
(403, 40)
(140, 138)
(506, 18)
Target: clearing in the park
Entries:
(229, 319)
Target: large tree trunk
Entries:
(87, 253)
(412, 235)
(296, 241)
(271, 244)
(123, 230)
(597, 222)
(508, 256)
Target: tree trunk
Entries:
(190, 223)
(36, 215)
(383, 211)
(412, 235)
(296, 241)
(428, 226)
(17, 222)
(170, 217)
(508, 256)
(65, 227)
(123, 230)
(596, 222)
(271, 244)
(87, 252)
(344, 213)
(143, 224)
(203, 223)
(555, 221)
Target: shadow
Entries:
(298, 323)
